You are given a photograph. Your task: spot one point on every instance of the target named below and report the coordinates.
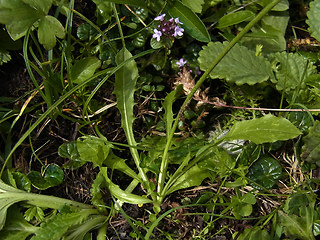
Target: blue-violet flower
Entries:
(167, 28)
(157, 34)
(181, 63)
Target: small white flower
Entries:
(178, 31)
(181, 62)
(157, 34)
(161, 17)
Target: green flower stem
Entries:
(119, 24)
(164, 163)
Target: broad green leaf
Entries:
(194, 5)
(235, 18)
(137, 3)
(83, 230)
(240, 65)
(311, 147)
(314, 19)
(57, 225)
(114, 162)
(167, 105)
(49, 28)
(281, 6)
(268, 128)
(217, 160)
(85, 32)
(270, 34)
(84, 69)
(53, 176)
(95, 191)
(40, 5)
(254, 234)
(34, 212)
(69, 150)
(193, 177)
(16, 227)
(6, 200)
(19, 16)
(299, 227)
(249, 198)
(123, 196)
(93, 149)
(242, 206)
(22, 181)
(191, 22)
(124, 88)
(291, 70)
(266, 171)
(104, 11)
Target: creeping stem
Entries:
(164, 163)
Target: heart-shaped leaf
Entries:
(52, 176)
(266, 171)
(50, 28)
(19, 16)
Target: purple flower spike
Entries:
(157, 34)
(161, 17)
(181, 62)
(178, 31)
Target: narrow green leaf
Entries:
(191, 22)
(114, 162)
(235, 18)
(193, 177)
(124, 88)
(137, 3)
(314, 19)
(167, 105)
(123, 196)
(261, 130)
(49, 28)
(84, 69)
(240, 65)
